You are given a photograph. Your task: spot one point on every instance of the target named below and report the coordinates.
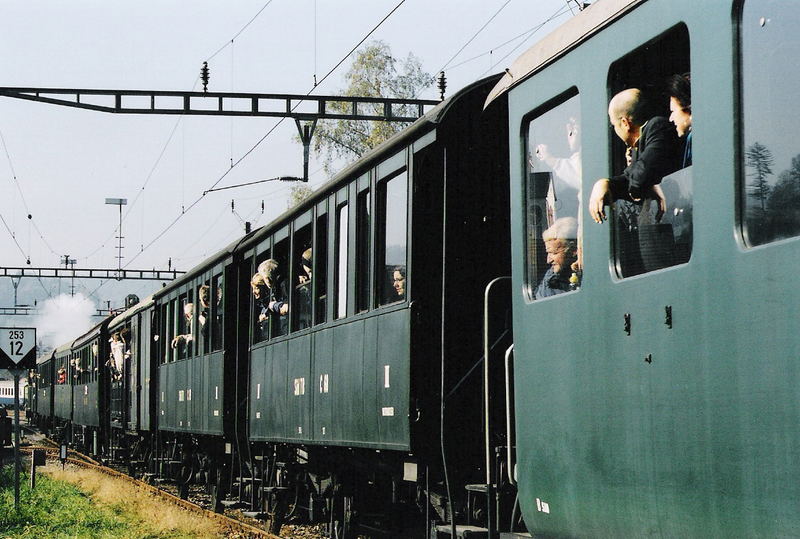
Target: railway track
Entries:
(233, 526)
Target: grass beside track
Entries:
(81, 503)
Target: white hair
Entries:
(565, 228)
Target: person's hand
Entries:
(542, 152)
(262, 317)
(658, 196)
(600, 196)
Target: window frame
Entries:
(529, 286)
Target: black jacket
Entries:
(657, 154)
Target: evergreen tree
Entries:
(760, 160)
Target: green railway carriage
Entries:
(90, 382)
(399, 248)
(661, 396)
(43, 385)
(132, 388)
(194, 372)
(62, 385)
(129, 360)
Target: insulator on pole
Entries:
(442, 84)
(205, 75)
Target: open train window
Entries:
(391, 238)
(769, 183)
(203, 316)
(183, 341)
(302, 270)
(320, 275)
(169, 331)
(217, 312)
(363, 251)
(552, 198)
(279, 285)
(652, 226)
(341, 273)
(260, 298)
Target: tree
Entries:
(374, 73)
(783, 206)
(759, 159)
(297, 195)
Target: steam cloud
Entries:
(63, 318)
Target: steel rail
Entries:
(228, 523)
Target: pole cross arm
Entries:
(92, 273)
(299, 107)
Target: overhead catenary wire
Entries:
(552, 17)
(470, 40)
(172, 134)
(526, 34)
(230, 41)
(262, 139)
(28, 212)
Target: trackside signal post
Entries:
(17, 354)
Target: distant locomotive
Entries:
(351, 362)
(7, 390)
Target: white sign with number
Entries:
(17, 342)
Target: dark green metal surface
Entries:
(701, 441)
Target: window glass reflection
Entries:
(553, 189)
(770, 155)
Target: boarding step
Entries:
(245, 481)
(259, 515)
(233, 504)
(272, 489)
(515, 535)
(463, 531)
(162, 480)
(477, 487)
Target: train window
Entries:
(217, 312)
(341, 261)
(203, 326)
(392, 238)
(363, 221)
(770, 163)
(184, 340)
(260, 297)
(647, 238)
(321, 269)
(302, 259)
(553, 190)
(278, 283)
(92, 363)
(172, 328)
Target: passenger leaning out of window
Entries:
(652, 153)
(261, 297)
(679, 89)
(270, 272)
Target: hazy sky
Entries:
(67, 161)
